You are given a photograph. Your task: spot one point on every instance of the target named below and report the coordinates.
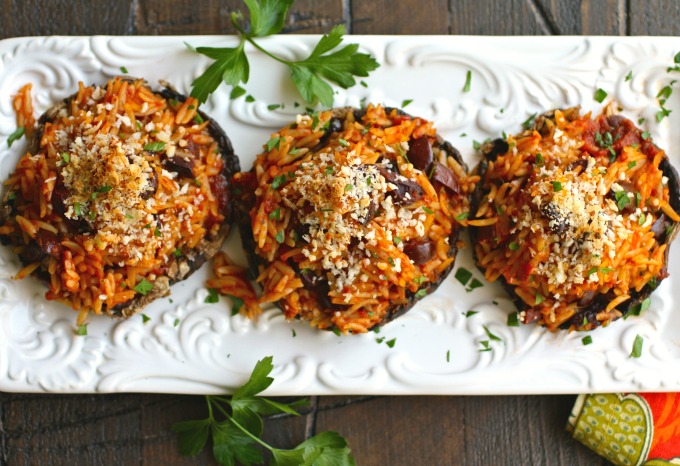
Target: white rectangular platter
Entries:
(189, 346)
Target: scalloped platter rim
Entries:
(189, 346)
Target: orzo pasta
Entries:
(351, 216)
(122, 192)
(575, 217)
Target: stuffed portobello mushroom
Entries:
(123, 192)
(351, 216)
(575, 217)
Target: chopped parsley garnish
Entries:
(428, 210)
(379, 340)
(391, 342)
(513, 320)
(128, 216)
(15, 135)
(448, 356)
(645, 135)
(587, 340)
(470, 313)
(273, 106)
(294, 151)
(213, 296)
(468, 81)
(476, 145)
(279, 237)
(463, 275)
(637, 347)
(272, 143)
(330, 170)
(175, 323)
(276, 214)
(391, 261)
(641, 120)
(638, 199)
(474, 284)
(491, 335)
(421, 293)
(123, 70)
(156, 232)
(363, 83)
(250, 99)
(349, 187)
(77, 209)
(462, 216)
(639, 308)
(641, 219)
(198, 119)
(145, 318)
(92, 215)
(526, 124)
(236, 92)
(156, 146)
(622, 199)
(419, 280)
(336, 330)
(539, 299)
(396, 240)
(278, 181)
(600, 95)
(66, 157)
(513, 246)
(143, 287)
(101, 190)
(82, 330)
(406, 102)
(629, 76)
(557, 186)
(485, 344)
(294, 333)
(538, 160)
(343, 142)
(631, 164)
(11, 196)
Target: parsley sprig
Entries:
(310, 76)
(236, 426)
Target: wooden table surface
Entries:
(416, 430)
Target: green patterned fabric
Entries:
(615, 426)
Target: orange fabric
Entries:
(665, 409)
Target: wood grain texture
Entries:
(40, 17)
(399, 17)
(135, 429)
(182, 17)
(654, 17)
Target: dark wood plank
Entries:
(400, 17)
(68, 430)
(654, 17)
(474, 430)
(529, 429)
(489, 17)
(183, 17)
(66, 17)
(398, 430)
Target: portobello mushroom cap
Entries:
(246, 200)
(591, 303)
(176, 268)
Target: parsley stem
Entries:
(210, 411)
(245, 431)
(246, 36)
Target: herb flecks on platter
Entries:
(326, 63)
(235, 424)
